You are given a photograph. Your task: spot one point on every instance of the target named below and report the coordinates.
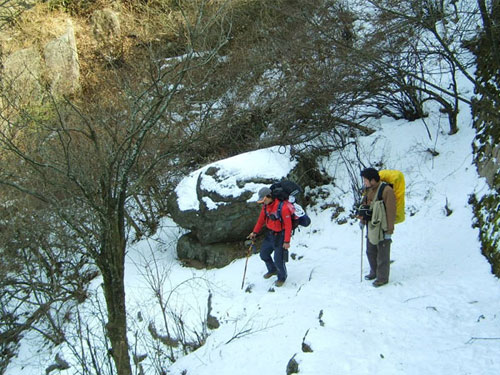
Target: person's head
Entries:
(370, 177)
(265, 196)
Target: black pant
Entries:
(379, 258)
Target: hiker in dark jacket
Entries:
(380, 225)
(277, 239)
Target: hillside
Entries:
(439, 314)
(107, 105)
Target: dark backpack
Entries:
(282, 191)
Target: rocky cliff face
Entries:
(485, 109)
(487, 206)
(489, 167)
(62, 64)
(56, 64)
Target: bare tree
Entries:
(437, 32)
(87, 161)
(294, 84)
(42, 277)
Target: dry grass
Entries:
(33, 28)
(37, 26)
(156, 25)
(141, 26)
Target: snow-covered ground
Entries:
(440, 313)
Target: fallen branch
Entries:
(472, 339)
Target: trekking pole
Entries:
(252, 244)
(361, 274)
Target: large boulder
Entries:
(217, 204)
(193, 253)
(217, 217)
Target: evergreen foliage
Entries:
(485, 111)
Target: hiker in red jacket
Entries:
(278, 237)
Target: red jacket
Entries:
(276, 225)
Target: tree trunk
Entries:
(112, 266)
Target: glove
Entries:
(387, 236)
(361, 224)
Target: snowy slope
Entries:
(440, 313)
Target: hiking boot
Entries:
(279, 283)
(269, 274)
(378, 283)
(370, 276)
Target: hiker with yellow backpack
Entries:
(382, 206)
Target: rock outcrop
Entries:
(22, 76)
(106, 29)
(220, 224)
(217, 204)
(218, 218)
(61, 61)
(26, 71)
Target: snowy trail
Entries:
(440, 297)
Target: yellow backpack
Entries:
(397, 180)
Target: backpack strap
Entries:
(278, 211)
(381, 190)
